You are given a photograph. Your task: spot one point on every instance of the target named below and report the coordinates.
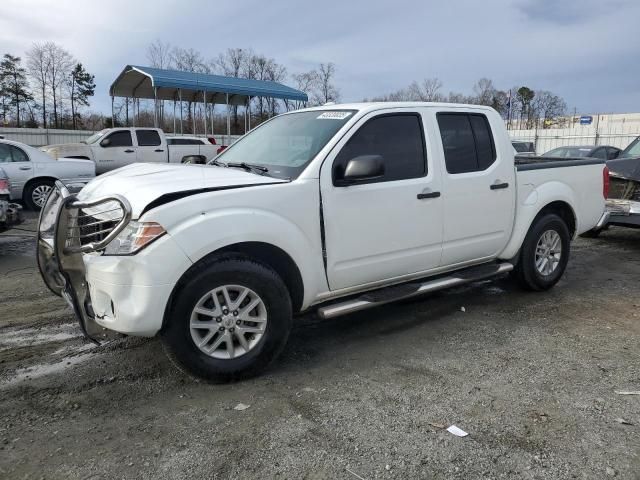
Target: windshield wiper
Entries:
(249, 166)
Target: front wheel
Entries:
(544, 254)
(229, 321)
(36, 194)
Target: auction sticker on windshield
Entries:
(335, 115)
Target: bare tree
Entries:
(325, 90)
(484, 92)
(159, 54)
(235, 62)
(38, 71)
(189, 60)
(60, 64)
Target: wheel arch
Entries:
(270, 255)
(33, 180)
(527, 216)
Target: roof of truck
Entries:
(368, 106)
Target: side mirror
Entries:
(364, 167)
(105, 142)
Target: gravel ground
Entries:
(532, 378)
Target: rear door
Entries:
(478, 187)
(117, 152)
(151, 147)
(388, 227)
(15, 162)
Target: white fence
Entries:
(37, 137)
(546, 139)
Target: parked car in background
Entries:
(335, 208)
(185, 149)
(10, 213)
(623, 202)
(113, 148)
(32, 172)
(524, 149)
(605, 152)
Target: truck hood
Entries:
(627, 168)
(67, 150)
(144, 184)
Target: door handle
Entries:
(158, 150)
(424, 195)
(129, 151)
(498, 186)
(25, 168)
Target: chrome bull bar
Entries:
(59, 251)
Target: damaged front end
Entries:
(67, 230)
(623, 202)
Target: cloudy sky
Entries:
(584, 50)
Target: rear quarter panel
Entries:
(579, 186)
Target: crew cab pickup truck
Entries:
(116, 147)
(334, 209)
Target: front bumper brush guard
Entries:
(59, 255)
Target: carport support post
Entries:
(174, 114)
(155, 107)
(228, 122)
(249, 108)
(180, 94)
(113, 115)
(204, 96)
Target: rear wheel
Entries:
(36, 193)
(544, 254)
(229, 321)
(193, 160)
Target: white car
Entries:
(117, 147)
(336, 209)
(32, 173)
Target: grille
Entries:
(93, 224)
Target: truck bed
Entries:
(535, 163)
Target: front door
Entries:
(114, 151)
(15, 162)
(386, 227)
(478, 182)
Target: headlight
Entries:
(134, 237)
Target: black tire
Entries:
(525, 272)
(29, 193)
(216, 272)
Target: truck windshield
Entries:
(286, 144)
(633, 150)
(95, 137)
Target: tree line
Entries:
(520, 106)
(48, 91)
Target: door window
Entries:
(148, 138)
(11, 153)
(120, 138)
(397, 138)
(467, 142)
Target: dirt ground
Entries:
(531, 377)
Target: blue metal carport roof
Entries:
(148, 82)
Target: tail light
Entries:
(4, 184)
(212, 140)
(605, 182)
(221, 149)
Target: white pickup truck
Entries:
(116, 147)
(334, 209)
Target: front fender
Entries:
(531, 201)
(210, 231)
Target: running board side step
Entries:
(413, 289)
